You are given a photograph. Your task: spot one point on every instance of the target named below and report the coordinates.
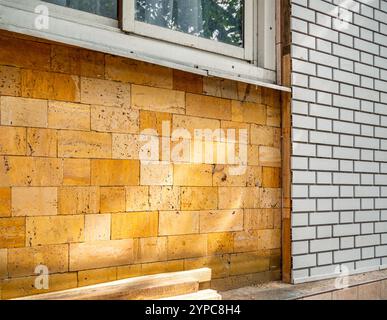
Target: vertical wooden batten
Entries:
(283, 44)
(120, 10)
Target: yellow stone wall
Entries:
(75, 197)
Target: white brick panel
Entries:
(339, 147)
(324, 245)
(345, 230)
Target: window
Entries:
(221, 26)
(233, 39)
(106, 8)
(215, 20)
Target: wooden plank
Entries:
(286, 188)
(148, 291)
(286, 40)
(120, 288)
(278, 39)
(283, 38)
(283, 42)
(204, 295)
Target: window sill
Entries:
(102, 34)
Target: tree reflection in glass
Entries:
(219, 20)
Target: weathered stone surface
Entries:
(25, 54)
(223, 176)
(138, 72)
(195, 175)
(156, 174)
(152, 250)
(180, 247)
(164, 198)
(254, 176)
(92, 64)
(159, 100)
(245, 263)
(78, 200)
(34, 172)
(21, 287)
(77, 61)
(274, 116)
(10, 82)
(12, 232)
(270, 198)
(49, 85)
(87, 204)
(97, 227)
(55, 230)
(270, 157)
(5, 202)
(3, 264)
(41, 142)
(76, 172)
(219, 265)
(188, 82)
(111, 119)
(65, 59)
(220, 243)
(271, 177)
(137, 198)
(23, 112)
(209, 107)
(115, 172)
(199, 198)
(101, 254)
(249, 92)
(77, 144)
(248, 112)
(246, 241)
(260, 219)
(219, 87)
(126, 146)
(112, 199)
(134, 225)
(105, 92)
(269, 239)
(252, 155)
(182, 122)
(95, 276)
(23, 261)
(154, 121)
(221, 220)
(162, 267)
(239, 197)
(36, 201)
(124, 272)
(178, 222)
(68, 116)
(265, 136)
(12, 141)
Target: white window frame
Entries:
(130, 24)
(90, 31)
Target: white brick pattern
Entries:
(339, 162)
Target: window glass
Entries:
(106, 8)
(219, 20)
